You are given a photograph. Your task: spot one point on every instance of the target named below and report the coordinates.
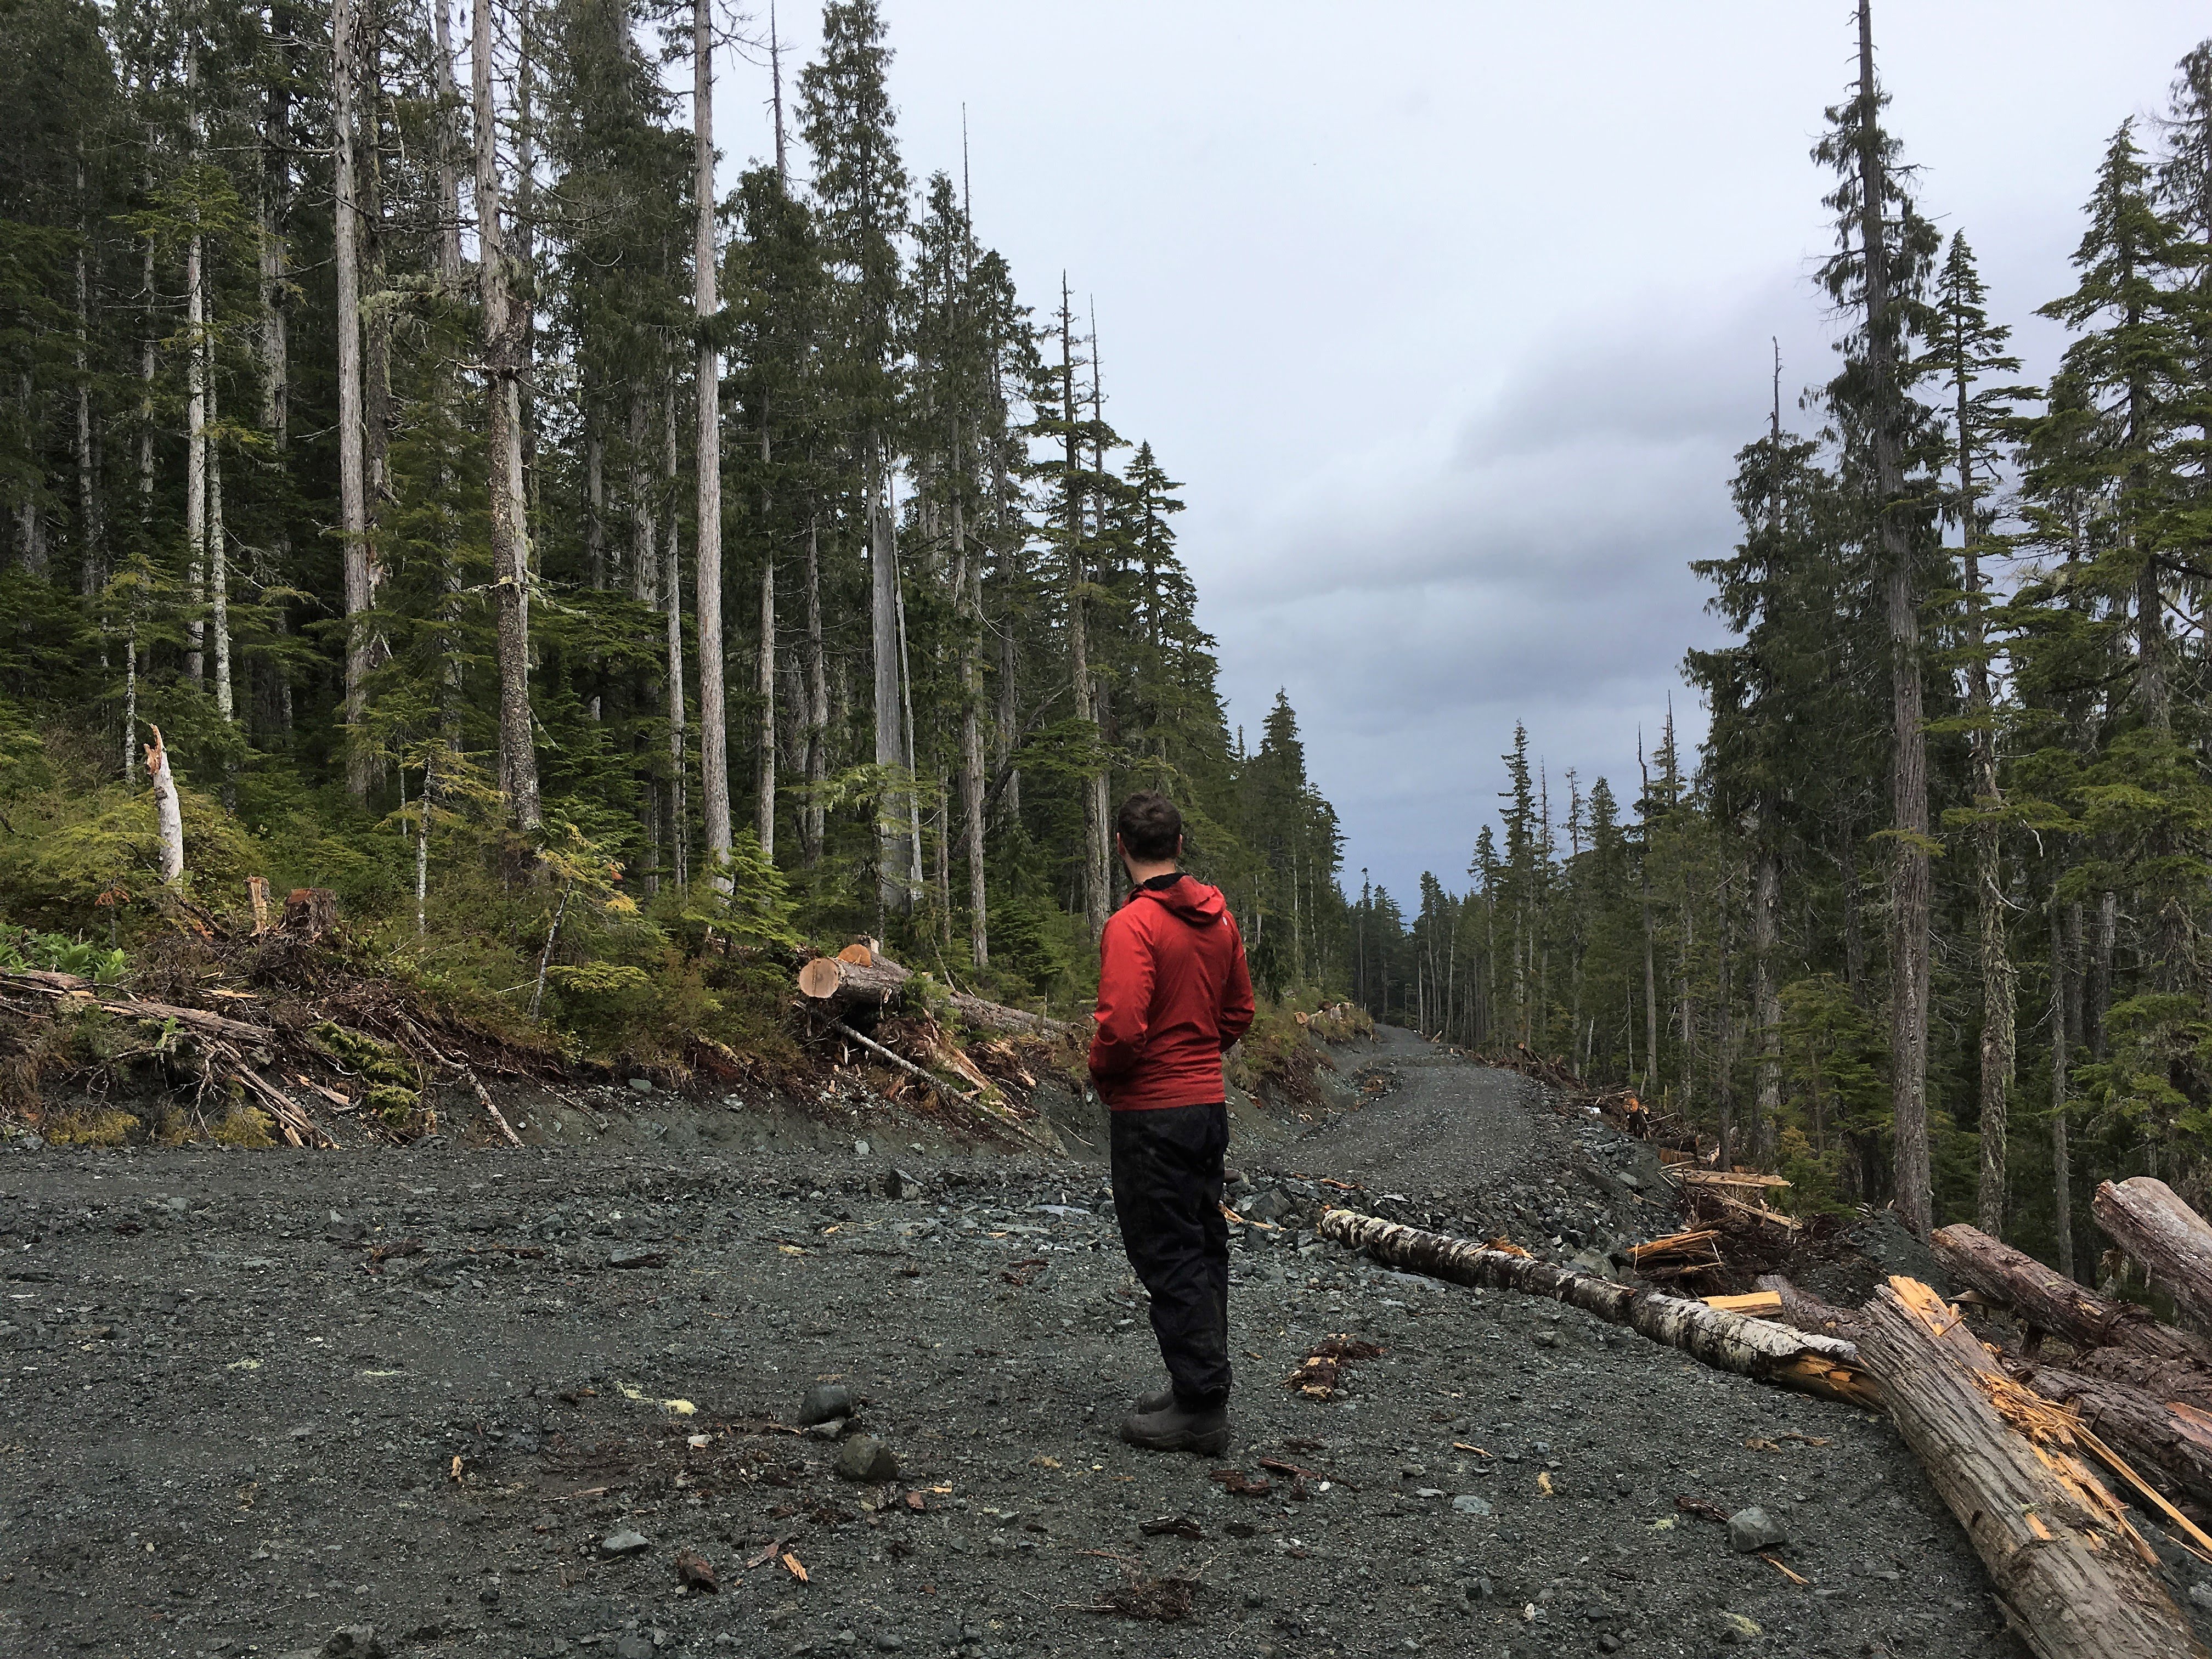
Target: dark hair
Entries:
(1149, 826)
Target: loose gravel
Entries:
(251, 1399)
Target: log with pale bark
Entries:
(858, 978)
(1726, 1341)
(2075, 1578)
(2044, 1297)
(2147, 1219)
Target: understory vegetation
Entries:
(604, 577)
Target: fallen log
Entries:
(2042, 1297)
(2181, 1382)
(2173, 1441)
(491, 1110)
(2147, 1219)
(1808, 1312)
(846, 985)
(1726, 1341)
(2075, 1578)
(63, 985)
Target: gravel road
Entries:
(226, 1428)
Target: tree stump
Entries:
(310, 912)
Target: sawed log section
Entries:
(2043, 1296)
(848, 984)
(2075, 1578)
(1727, 1341)
(2147, 1219)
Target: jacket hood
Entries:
(1189, 898)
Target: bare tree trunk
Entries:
(2105, 934)
(218, 559)
(196, 384)
(818, 704)
(1998, 991)
(671, 572)
(449, 151)
(1079, 643)
(969, 599)
(92, 572)
(353, 495)
(906, 710)
(168, 816)
(1909, 880)
(1767, 987)
(893, 895)
(2062, 1155)
(764, 762)
(713, 729)
(510, 540)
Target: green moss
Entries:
(362, 1053)
(105, 1126)
(244, 1127)
(391, 1104)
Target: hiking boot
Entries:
(1177, 1427)
(1158, 1400)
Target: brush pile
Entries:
(250, 1038)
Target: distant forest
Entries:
(550, 552)
(1926, 917)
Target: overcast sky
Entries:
(1452, 316)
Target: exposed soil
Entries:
(248, 1399)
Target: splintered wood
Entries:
(1726, 1341)
(1676, 1257)
(2075, 1577)
(1323, 1373)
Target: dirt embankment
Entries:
(498, 1402)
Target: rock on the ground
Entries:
(866, 1459)
(1752, 1529)
(354, 1642)
(824, 1402)
(624, 1542)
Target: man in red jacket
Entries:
(1173, 993)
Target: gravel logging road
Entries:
(228, 1428)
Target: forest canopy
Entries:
(1923, 921)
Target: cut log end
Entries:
(820, 978)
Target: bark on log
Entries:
(849, 986)
(2042, 1297)
(2147, 1219)
(2173, 1441)
(1731, 1342)
(2075, 1578)
(1807, 1312)
(2178, 1380)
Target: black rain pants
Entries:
(1167, 1195)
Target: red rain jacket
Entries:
(1173, 993)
